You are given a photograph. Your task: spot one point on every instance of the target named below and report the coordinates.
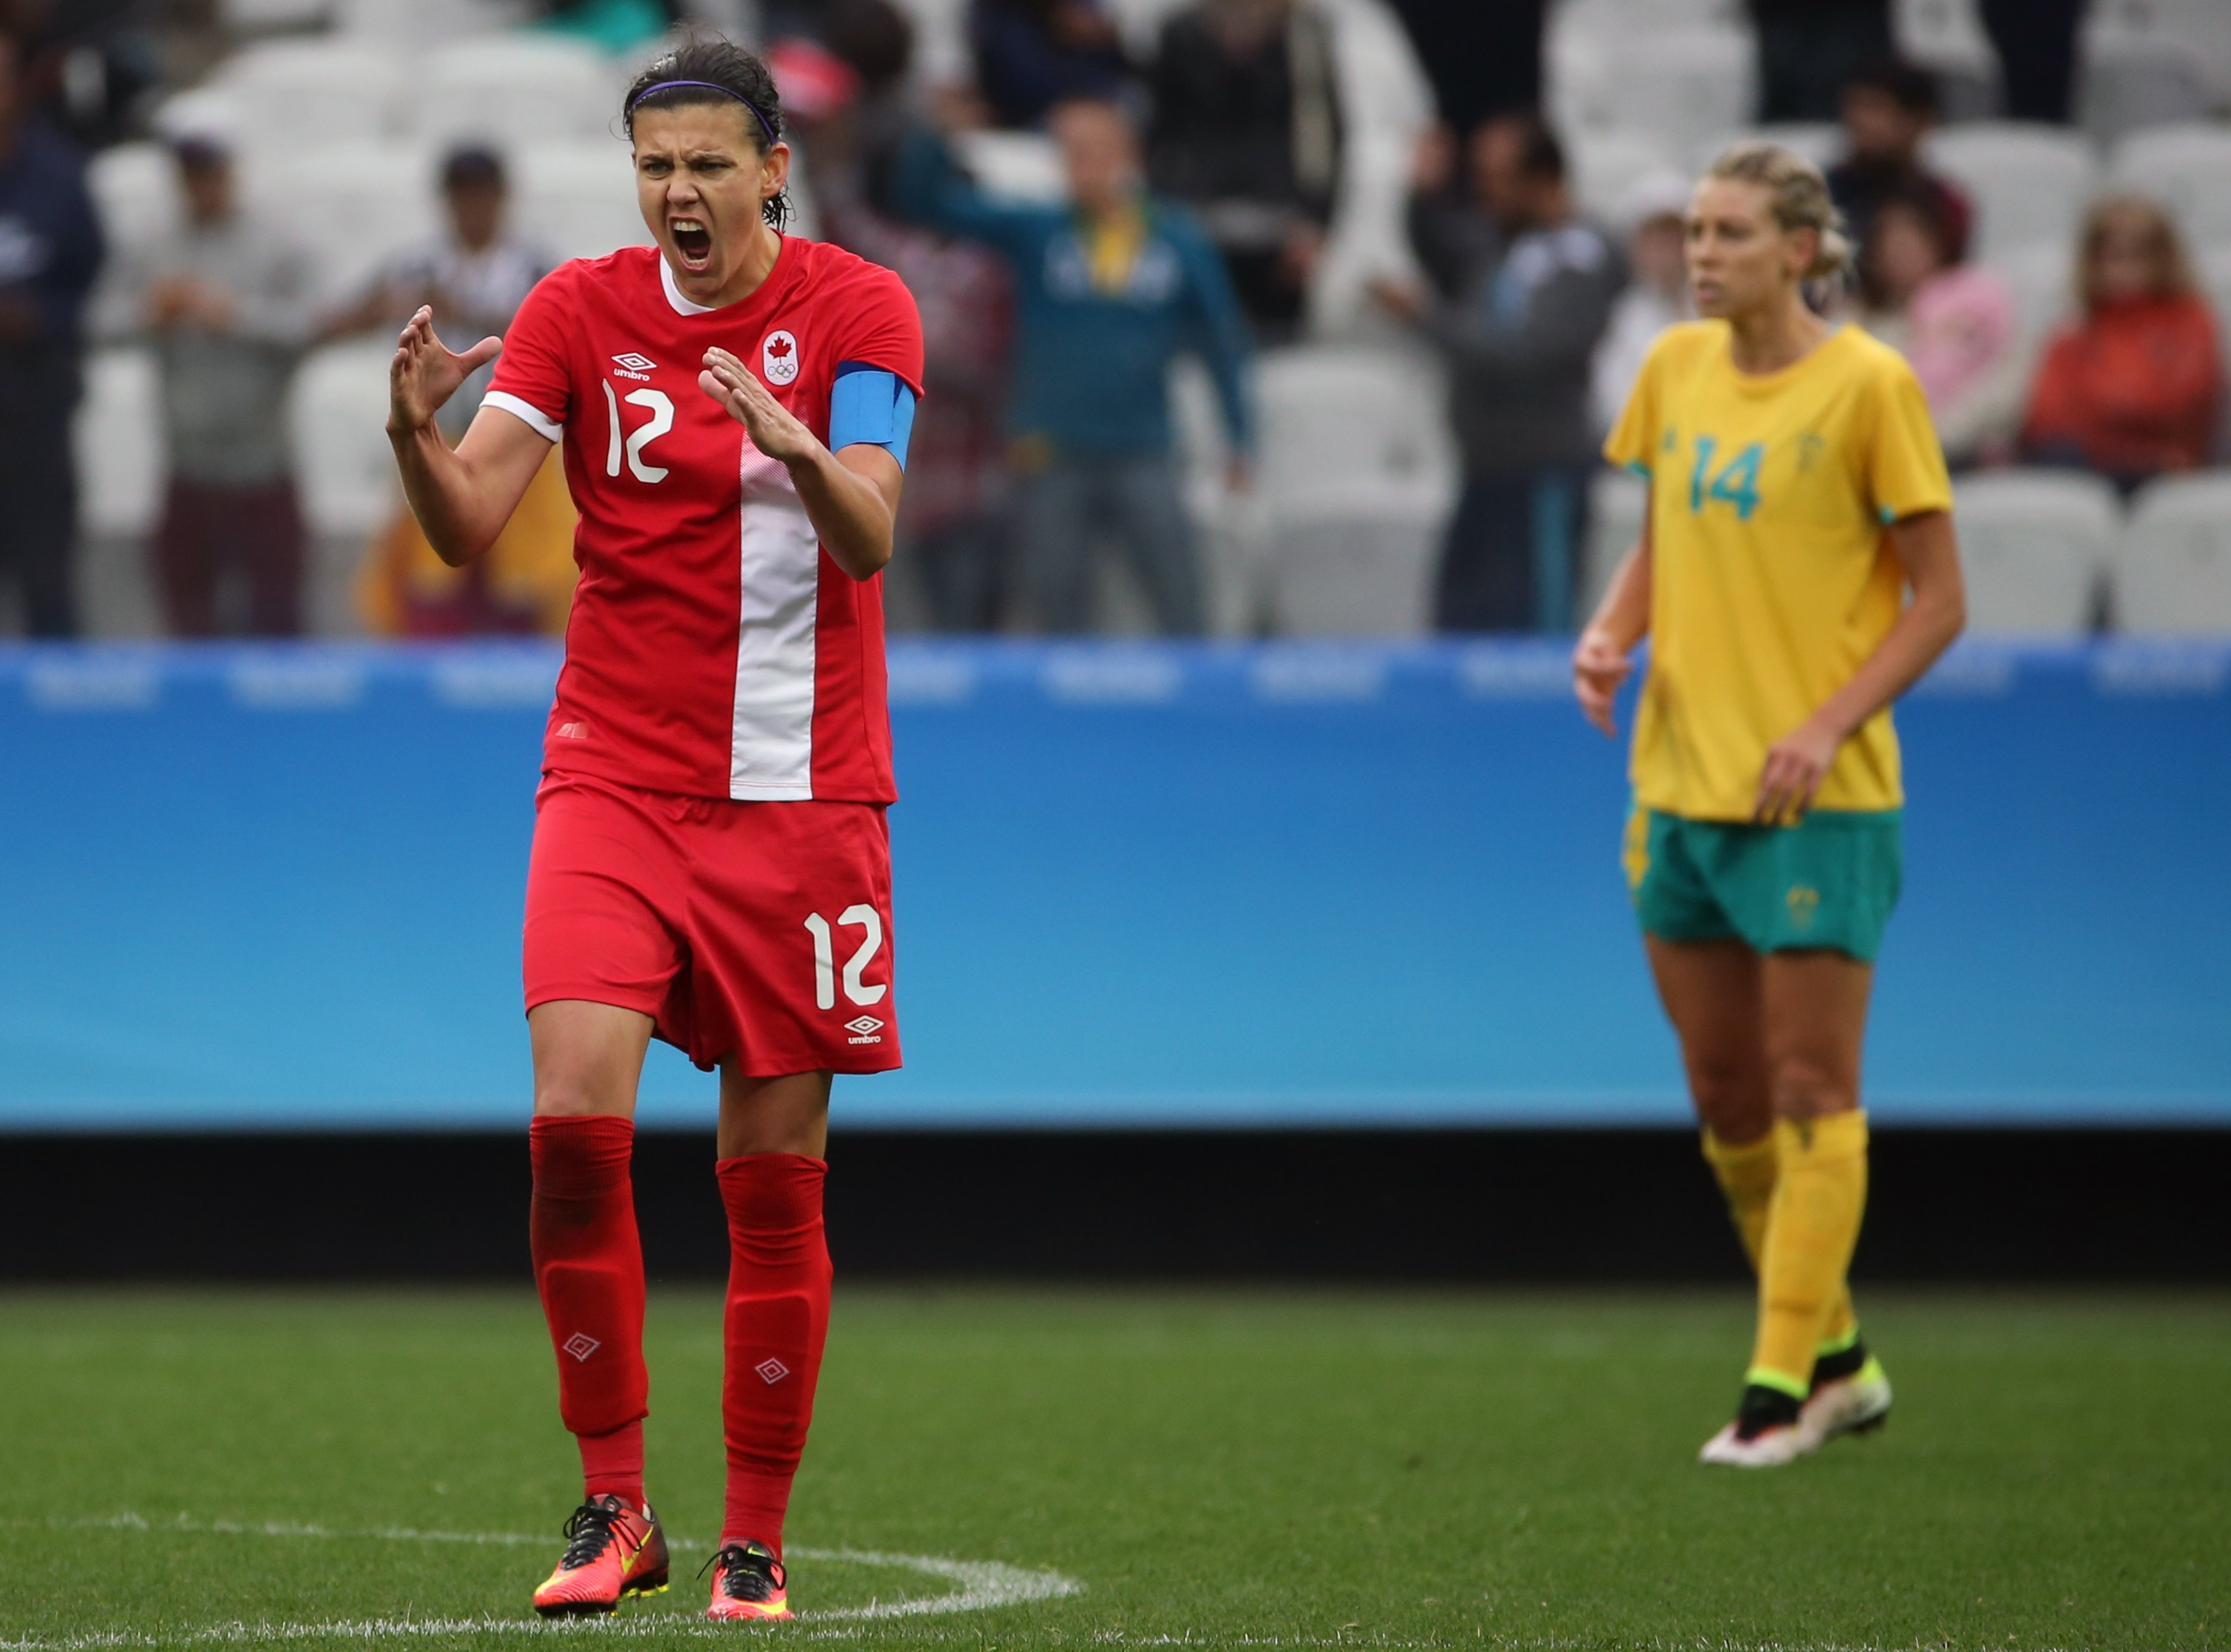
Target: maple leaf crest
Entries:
(778, 348)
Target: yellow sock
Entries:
(1746, 1175)
(1813, 1222)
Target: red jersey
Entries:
(714, 648)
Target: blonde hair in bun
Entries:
(1798, 197)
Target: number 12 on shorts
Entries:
(825, 957)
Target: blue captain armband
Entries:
(870, 405)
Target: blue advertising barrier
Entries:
(1136, 884)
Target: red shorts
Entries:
(759, 932)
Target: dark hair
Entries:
(1540, 154)
(472, 164)
(874, 37)
(1908, 86)
(1924, 199)
(710, 70)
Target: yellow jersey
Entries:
(1771, 578)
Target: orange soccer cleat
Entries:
(611, 1550)
(747, 1583)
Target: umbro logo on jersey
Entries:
(633, 365)
(778, 358)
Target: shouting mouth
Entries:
(694, 242)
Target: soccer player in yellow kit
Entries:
(1797, 493)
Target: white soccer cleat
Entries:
(1852, 1404)
(1771, 1447)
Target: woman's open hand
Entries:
(426, 373)
(774, 429)
(1599, 666)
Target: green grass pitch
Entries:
(1214, 1468)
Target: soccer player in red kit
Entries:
(710, 865)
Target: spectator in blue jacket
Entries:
(1111, 288)
(50, 252)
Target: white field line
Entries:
(981, 1585)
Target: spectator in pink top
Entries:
(1953, 321)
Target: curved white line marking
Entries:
(983, 1585)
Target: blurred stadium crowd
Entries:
(1398, 263)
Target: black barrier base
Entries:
(1501, 1206)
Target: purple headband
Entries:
(765, 125)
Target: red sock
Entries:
(613, 1462)
(778, 1318)
(588, 1267)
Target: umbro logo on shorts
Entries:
(634, 365)
(770, 1371)
(864, 1029)
(580, 1345)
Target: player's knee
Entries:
(1807, 1089)
(568, 1093)
(1729, 1094)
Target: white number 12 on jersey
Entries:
(660, 421)
(825, 957)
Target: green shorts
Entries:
(1829, 881)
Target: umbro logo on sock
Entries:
(770, 1371)
(580, 1345)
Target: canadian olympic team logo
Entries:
(778, 358)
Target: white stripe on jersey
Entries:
(527, 412)
(771, 736)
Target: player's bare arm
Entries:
(1602, 659)
(1798, 763)
(462, 496)
(851, 498)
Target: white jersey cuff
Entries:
(526, 413)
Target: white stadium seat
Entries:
(1605, 165)
(1947, 37)
(2034, 545)
(1356, 560)
(352, 205)
(2172, 570)
(2129, 83)
(420, 23)
(135, 192)
(1013, 165)
(118, 438)
(1331, 415)
(2188, 169)
(242, 17)
(288, 92)
(1140, 22)
(2198, 32)
(517, 90)
(1687, 81)
(940, 41)
(2028, 183)
(338, 415)
(1358, 478)
(578, 197)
